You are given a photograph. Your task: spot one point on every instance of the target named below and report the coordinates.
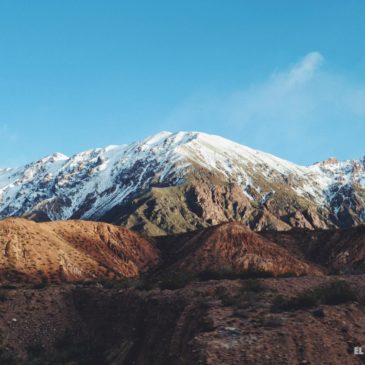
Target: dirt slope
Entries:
(229, 246)
(68, 251)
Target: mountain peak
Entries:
(54, 157)
(170, 139)
(330, 161)
(156, 138)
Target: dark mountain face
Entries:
(172, 183)
(340, 251)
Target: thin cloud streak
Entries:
(290, 107)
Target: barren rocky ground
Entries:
(223, 294)
(213, 322)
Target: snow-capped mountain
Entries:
(171, 182)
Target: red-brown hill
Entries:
(229, 246)
(71, 251)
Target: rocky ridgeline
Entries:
(171, 183)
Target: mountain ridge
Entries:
(173, 182)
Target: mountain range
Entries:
(232, 256)
(176, 182)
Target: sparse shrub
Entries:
(337, 292)
(334, 271)
(42, 284)
(35, 350)
(320, 313)
(334, 293)
(110, 284)
(280, 304)
(231, 301)
(145, 284)
(127, 283)
(137, 283)
(291, 274)
(241, 313)
(8, 287)
(247, 299)
(63, 341)
(227, 299)
(176, 281)
(206, 324)
(39, 286)
(357, 269)
(3, 296)
(248, 294)
(36, 361)
(307, 299)
(273, 322)
(207, 275)
(88, 283)
(252, 285)
(230, 274)
(70, 350)
(220, 292)
(304, 300)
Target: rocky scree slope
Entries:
(174, 182)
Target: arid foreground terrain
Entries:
(79, 292)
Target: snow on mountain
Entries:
(90, 183)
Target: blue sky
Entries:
(286, 77)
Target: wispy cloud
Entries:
(297, 104)
(302, 72)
